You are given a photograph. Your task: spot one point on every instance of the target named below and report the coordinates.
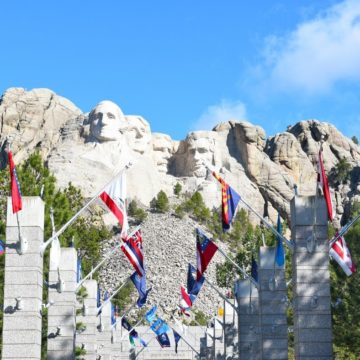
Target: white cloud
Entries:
(318, 54)
(224, 111)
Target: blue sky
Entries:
(187, 65)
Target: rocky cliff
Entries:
(264, 170)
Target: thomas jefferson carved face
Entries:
(106, 121)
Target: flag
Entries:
(163, 340)
(125, 324)
(134, 255)
(15, 186)
(98, 297)
(254, 269)
(341, 254)
(78, 270)
(177, 338)
(151, 314)
(134, 335)
(190, 278)
(140, 284)
(205, 251)
(114, 196)
(159, 326)
(279, 251)
(2, 248)
(113, 314)
(137, 237)
(55, 253)
(324, 186)
(229, 201)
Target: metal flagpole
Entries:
(107, 256)
(63, 228)
(238, 267)
(344, 229)
(114, 293)
(274, 231)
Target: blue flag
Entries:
(254, 269)
(159, 326)
(113, 314)
(177, 338)
(163, 340)
(151, 314)
(279, 251)
(2, 247)
(125, 324)
(196, 285)
(140, 284)
(98, 297)
(190, 278)
(78, 270)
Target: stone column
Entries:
(273, 306)
(311, 280)
(61, 314)
(248, 320)
(230, 324)
(87, 339)
(24, 282)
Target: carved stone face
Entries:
(138, 134)
(106, 121)
(162, 146)
(201, 146)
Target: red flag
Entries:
(114, 197)
(206, 249)
(15, 186)
(324, 185)
(341, 254)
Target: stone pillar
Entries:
(61, 314)
(230, 324)
(23, 280)
(248, 320)
(87, 338)
(311, 280)
(273, 306)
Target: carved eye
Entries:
(111, 115)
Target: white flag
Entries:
(341, 254)
(114, 196)
(55, 254)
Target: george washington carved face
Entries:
(106, 121)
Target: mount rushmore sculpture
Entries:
(87, 149)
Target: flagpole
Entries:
(238, 267)
(114, 293)
(63, 228)
(183, 338)
(274, 231)
(344, 229)
(144, 347)
(109, 254)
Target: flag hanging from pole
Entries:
(151, 314)
(341, 254)
(2, 248)
(78, 270)
(114, 196)
(229, 201)
(140, 284)
(205, 250)
(177, 338)
(113, 314)
(279, 251)
(134, 254)
(163, 340)
(254, 269)
(324, 186)
(14, 186)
